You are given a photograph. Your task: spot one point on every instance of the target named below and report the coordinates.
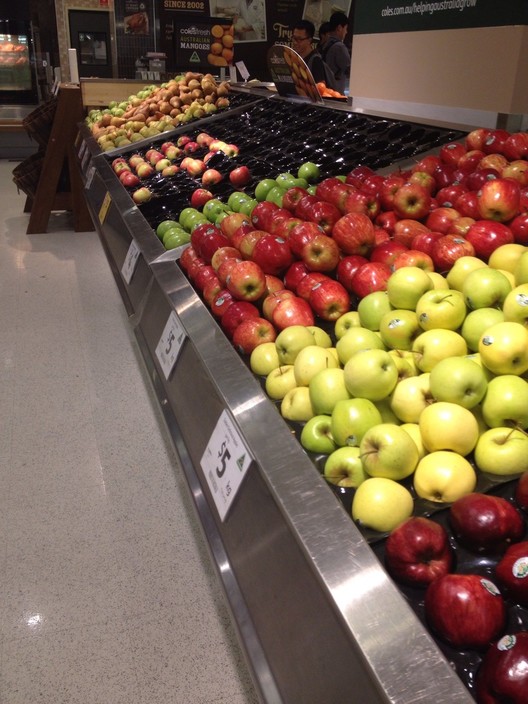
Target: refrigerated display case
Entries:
(318, 616)
(18, 84)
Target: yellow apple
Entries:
(310, 360)
(264, 358)
(506, 256)
(411, 396)
(460, 270)
(503, 348)
(321, 337)
(439, 281)
(444, 476)
(345, 322)
(356, 339)
(448, 426)
(296, 405)
(433, 345)
(381, 504)
(515, 306)
(414, 431)
(279, 381)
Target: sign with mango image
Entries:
(222, 45)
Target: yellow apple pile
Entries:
(158, 109)
(426, 382)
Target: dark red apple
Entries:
(487, 235)
(240, 176)
(476, 179)
(324, 214)
(292, 197)
(495, 141)
(441, 219)
(519, 228)
(372, 276)
(347, 267)
(387, 221)
(272, 254)
(452, 152)
(425, 241)
(294, 274)
(418, 552)
(220, 301)
(521, 492)
(511, 573)
(465, 610)
(447, 249)
(334, 191)
(357, 176)
(235, 314)
(305, 285)
(387, 190)
(301, 234)
(361, 202)
(406, 230)
(261, 214)
(484, 522)
(302, 209)
(503, 674)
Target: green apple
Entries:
(460, 270)
(399, 328)
(444, 477)
(372, 307)
(321, 337)
(406, 285)
(515, 306)
(316, 435)
(502, 451)
(308, 171)
(264, 359)
(477, 322)
(175, 238)
(246, 208)
(388, 451)
(291, 341)
(414, 431)
(433, 345)
(310, 360)
(164, 226)
(285, 180)
(236, 199)
(458, 380)
(345, 322)
(485, 288)
(343, 467)
(214, 207)
(506, 402)
(386, 412)
(448, 426)
(279, 381)
(503, 348)
(327, 388)
(506, 256)
(296, 405)
(371, 374)
(441, 309)
(275, 195)
(187, 213)
(410, 397)
(439, 281)
(351, 418)
(357, 339)
(381, 504)
(521, 270)
(263, 187)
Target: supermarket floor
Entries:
(107, 592)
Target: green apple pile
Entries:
(157, 109)
(427, 384)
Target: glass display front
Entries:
(15, 67)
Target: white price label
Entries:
(170, 344)
(225, 462)
(130, 263)
(89, 177)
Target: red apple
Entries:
(128, 179)
(461, 226)
(372, 276)
(272, 300)
(198, 234)
(517, 170)
(499, 200)
(292, 197)
(237, 312)
(324, 214)
(334, 191)
(476, 179)
(246, 281)
(302, 208)
(413, 257)
(232, 222)
(516, 146)
(273, 284)
(422, 178)
(301, 234)
(466, 610)
(329, 300)
(199, 197)
(444, 175)
(248, 241)
(487, 235)
(354, 234)
(386, 252)
(294, 274)
(511, 573)
(272, 254)
(521, 492)
(483, 522)
(428, 164)
(321, 253)
(306, 284)
(451, 153)
(495, 141)
(204, 139)
(496, 162)
(361, 202)
(221, 300)
(240, 176)
(253, 332)
(372, 184)
(210, 243)
(210, 177)
(223, 253)
(261, 214)
(447, 249)
(476, 138)
(292, 311)
(447, 196)
(519, 228)
(202, 275)
(225, 267)
(406, 230)
(441, 219)
(387, 190)
(282, 227)
(467, 205)
(188, 255)
(357, 176)
(412, 201)
(469, 161)
(418, 552)
(425, 241)
(347, 267)
(141, 195)
(502, 677)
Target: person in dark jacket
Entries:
(302, 41)
(335, 52)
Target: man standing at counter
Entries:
(335, 53)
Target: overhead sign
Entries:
(377, 16)
(203, 43)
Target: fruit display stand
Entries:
(317, 615)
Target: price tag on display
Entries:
(85, 159)
(82, 150)
(170, 344)
(241, 66)
(89, 177)
(225, 462)
(130, 263)
(103, 210)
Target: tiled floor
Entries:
(107, 593)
